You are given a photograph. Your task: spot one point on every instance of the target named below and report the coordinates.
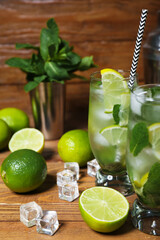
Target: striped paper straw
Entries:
(137, 48)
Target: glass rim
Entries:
(144, 86)
(94, 75)
(142, 94)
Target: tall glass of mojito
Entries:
(107, 126)
(143, 157)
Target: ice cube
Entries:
(48, 224)
(73, 166)
(135, 105)
(92, 167)
(66, 176)
(29, 212)
(68, 191)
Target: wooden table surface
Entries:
(72, 225)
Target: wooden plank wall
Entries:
(106, 29)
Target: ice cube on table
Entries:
(68, 191)
(48, 224)
(29, 212)
(66, 176)
(92, 167)
(73, 166)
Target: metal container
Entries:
(151, 54)
(47, 101)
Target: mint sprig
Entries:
(139, 138)
(53, 61)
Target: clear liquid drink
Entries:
(107, 127)
(143, 156)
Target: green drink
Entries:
(107, 127)
(143, 157)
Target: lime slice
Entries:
(113, 85)
(124, 109)
(115, 135)
(103, 209)
(27, 138)
(154, 138)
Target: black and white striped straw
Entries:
(137, 48)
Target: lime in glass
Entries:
(107, 126)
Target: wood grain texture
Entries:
(72, 225)
(107, 30)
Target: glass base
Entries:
(146, 220)
(120, 183)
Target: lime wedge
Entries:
(27, 138)
(154, 138)
(113, 85)
(103, 209)
(115, 135)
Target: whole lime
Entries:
(5, 134)
(74, 146)
(24, 170)
(15, 118)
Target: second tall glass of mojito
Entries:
(143, 157)
(107, 126)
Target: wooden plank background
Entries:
(106, 29)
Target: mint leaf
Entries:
(155, 92)
(23, 64)
(37, 64)
(34, 83)
(73, 75)
(64, 47)
(86, 63)
(116, 109)
(26, 46)
(139, 138)
(30, 85)
(73, 58)
(56, 72)
(151, 189)
(48, 37)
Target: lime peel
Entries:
(112, 211)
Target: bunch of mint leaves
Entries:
(53, 61)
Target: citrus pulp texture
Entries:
(103, 209)
(113, 86)
(5, 134)
(74, 146)
(15, 118)
(23, 170)
(27, 138)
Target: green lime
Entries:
(27, 138)
(15, 118)
(24, 170)
(74, 146)
(5, 134)
(103, 209)
(113, 85)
